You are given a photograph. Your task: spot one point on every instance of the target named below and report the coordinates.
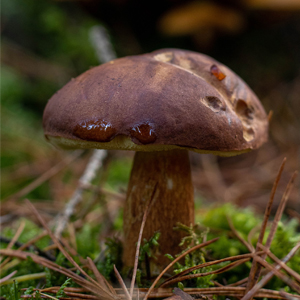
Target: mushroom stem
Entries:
(173, 201)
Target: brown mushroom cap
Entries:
(163, 100)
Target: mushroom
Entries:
(161, 105)
(196, 17)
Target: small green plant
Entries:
(148, 250)
(195, 236)
(149, 247)
(13, 292)
(111, 256)
(60, 292)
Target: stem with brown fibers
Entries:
(170, 173)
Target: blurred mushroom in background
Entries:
(201, 20)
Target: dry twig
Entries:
(88, 175)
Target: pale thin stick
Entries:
(105, 53)
(136, 261)
(101, 42)
(122, 283)
(88, 175)
(47, 175)
(251, 281)
(176, 260)
(265, 280)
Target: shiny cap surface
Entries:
(166, 99)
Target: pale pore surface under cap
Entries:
(122, 142)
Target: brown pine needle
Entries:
(53, 266)
(8, 277)
(47, 175)
(182, 294)
(225, 291)
(276, 220)
(136, 260)
(101, 279)
(76, 293)
(254, 268)
(208, 264)
(33, 240)
(291, 283)
(279, 262)
(175, 260)
(287, 296)
(61, 248)
(122, 284)
(12, 242)
(280, 210)
(219, 271)
(240, 282)
(252, 232)
(239, 237)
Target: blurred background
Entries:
(46, 43)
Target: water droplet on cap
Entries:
(94, 130)
(144, 133)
